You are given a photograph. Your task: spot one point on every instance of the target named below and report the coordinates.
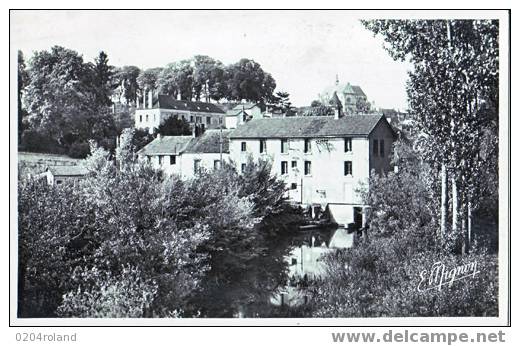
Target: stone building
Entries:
(352, 97)
(154, 111)
(323, 160)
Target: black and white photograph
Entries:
(257, 167)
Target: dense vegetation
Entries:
(129, 242)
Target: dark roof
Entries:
(241, 106)
(312, 126)
(357, 89)
(166, 145)
(168, 102)
(334, 100)
(67, 170)
(209, 142)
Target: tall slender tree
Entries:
(455, 75)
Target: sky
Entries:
(303, 50)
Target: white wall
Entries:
(157, 116)
(184, 163)
(327, 167)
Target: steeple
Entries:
(337, 79)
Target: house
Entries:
(242, 113)
(57, 175)
(185, 155)
(322, 159)
(353, 99)
(157, 109)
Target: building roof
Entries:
(68, 170)
(168, 102)
(312, 126)
(209, 142)
(358, 91)
(166, 145)
(334, 100)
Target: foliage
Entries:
(147, 79)
(102, 294)
(127, 77)
(320, 110)
(173, 126)
(79, 150)
(82, 246)
(66, 99)
(378, 280)
(453, 93)
(102, 75)
(248, 81)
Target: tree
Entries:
(248, 81)
(22, 83)
(148, 79)
(454, 78)
(103, 79)
(177, 79)
(208, 76)
(127, 77)
(281, 101)
(174, 127)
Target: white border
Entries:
(438, 321)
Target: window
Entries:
(285, 169)
(307, 167)
(141, 118)
(149, 158)
(196, 166)
(216, 164)
(243, 146)
(284, 146)
(375, 147)
(263, 146)
(220, 120)
(199, 120)
(307, 146)
(294, 164)
(160, 159)
(59, 181)
(208, 120)
(348, 144)
(382, 148)
(191, 118)
(348, 168)
(146, 117)
(243, 168)
(294, 186)
(173, 159)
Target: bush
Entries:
(79, 150)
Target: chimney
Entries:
(144, 98)
(194, 130)
(178, 96)
(158, 135)
(137, 102)
(150, 99)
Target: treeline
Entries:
(64, 101)
(205, 249)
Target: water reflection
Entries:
(305, 262)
